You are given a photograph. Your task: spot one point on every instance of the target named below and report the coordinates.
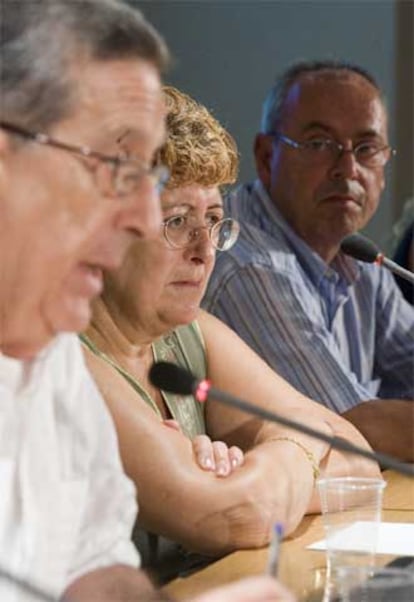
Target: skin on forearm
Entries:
(339, 463)
(213, 515)
(219, 516)
(244, 374)
(387, 424)
(210, 514)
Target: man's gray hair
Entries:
(43, 41)
(276, 98)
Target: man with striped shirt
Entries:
(337, 329)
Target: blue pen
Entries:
(273, 562)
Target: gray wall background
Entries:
(227, 53)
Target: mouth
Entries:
(343, 199)
(90, 281)
(195, 284)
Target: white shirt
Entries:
(66, 506)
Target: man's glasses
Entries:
(316, 151)
(181, 231)
(115, 176)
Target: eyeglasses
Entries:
(369, 153)
(181, 231)
(115, 176)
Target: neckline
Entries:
(130, 378)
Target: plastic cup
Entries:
(351, 514)
(368, 584)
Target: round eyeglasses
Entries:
(115, 176)
(369, 153)
(180, 231)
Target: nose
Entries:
(345, 165)
(201, 248)
(142, 211)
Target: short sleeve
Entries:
(108, 501)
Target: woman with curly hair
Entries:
(149, 311)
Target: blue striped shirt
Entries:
(340, 333)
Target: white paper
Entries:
(393, 538)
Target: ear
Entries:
(263, 152)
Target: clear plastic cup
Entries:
(351, 514)
(368, 584)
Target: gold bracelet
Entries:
(310, 456)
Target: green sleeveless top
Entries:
(183, 346)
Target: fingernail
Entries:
(222, 469)
(206, 463)
(234, 463)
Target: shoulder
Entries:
(79, 386)
(214, 330)
(190, 335)
(377, 292)
(261, 241)
(63, 363)
(239, 202)
(256, 253)
(207, 322)
(376, 280)
(72, 404)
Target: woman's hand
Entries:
(216, 455)
(213, 455)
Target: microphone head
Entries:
(360, 247)
(171, 378)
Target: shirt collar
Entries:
(16, 374)
(343, 268)
(11, 372)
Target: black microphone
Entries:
(174, 379)
(362, 248)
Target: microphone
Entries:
(362, 248)
(174, 379)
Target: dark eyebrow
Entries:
(370, 134)
(189, 207)
(313, 125)
(176, 205)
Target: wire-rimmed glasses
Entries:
(180, 231)
(115, 176)
(370, 153)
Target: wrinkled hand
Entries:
(216, 455)
(213, 455)
(251, 589)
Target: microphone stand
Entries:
(384, 460)
(394, 267)
(175, 379)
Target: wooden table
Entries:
(303, 571)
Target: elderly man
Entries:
(337, 329)
(81, 117)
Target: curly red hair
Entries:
(198, 150)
